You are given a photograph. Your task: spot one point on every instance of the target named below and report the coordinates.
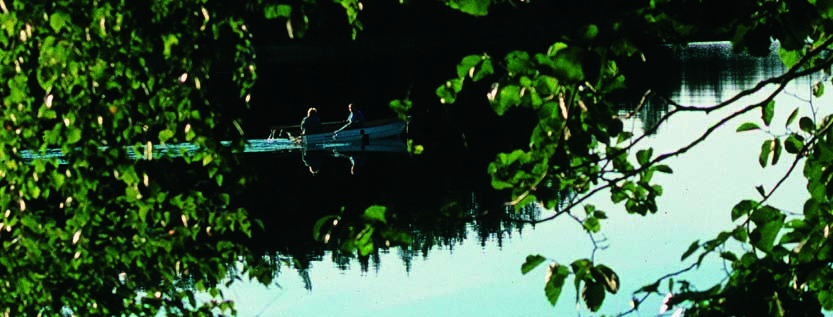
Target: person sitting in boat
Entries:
(355, 119)
(311, 124)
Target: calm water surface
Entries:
(479, 274)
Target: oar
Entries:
(342, 128)
(283, 127)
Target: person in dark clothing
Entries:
(355, 120)
(311, 124)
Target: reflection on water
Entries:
(465, 248)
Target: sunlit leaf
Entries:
(274, 11)
(473, 7)
(510, 95)
(169, 41)
(484, 70)
(467, 65)
(376, 213)
(165, 135)
(74, 136)
(789, 57)
(555, 48)
(517, 63)
(58, 19)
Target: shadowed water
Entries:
(466, 246)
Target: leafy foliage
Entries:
(578, 146)
(104, 234)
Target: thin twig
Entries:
(637, 302)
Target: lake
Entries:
(469, 263)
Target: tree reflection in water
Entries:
(426, 203)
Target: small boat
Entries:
(372, 130)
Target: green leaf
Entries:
(57, 20)
(589, 209)
(364, 241)
(767, 112)
(729, 256)
(165, 135)
(693, 247)
(818, 89)
(740, 234)
(806, 124)
(776, 150)
(650, 288)
(768, 222)
(74, 136)
(517, 63)
(317, 232)
(509, 96)
(789, 57)
(760, 189)
(609, 277)
(743, 208)
(644, 156)
(555, 48)
(472, 7)
(376, 213)
(467, 65)
(169, 41)
(624, 136)
(532, 261)
(592, 224)
(556, 276)
(484, 70)
(567, 64)
(766, 149)
(791, 118)
(274, 11)
(581, 268)
(826, 299)
(593, 295)
(664, 169)
(748, 126)
(590, 31)
(448, 92)
(794, 143)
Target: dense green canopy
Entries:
(108, 80)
